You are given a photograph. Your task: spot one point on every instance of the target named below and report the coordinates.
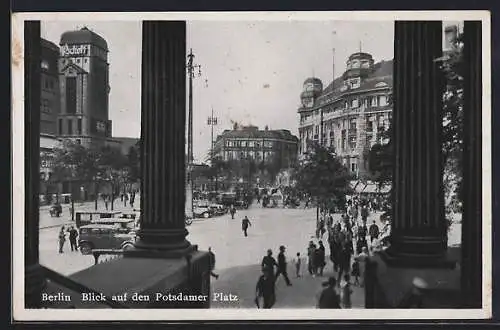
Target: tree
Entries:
(380, 161)
(322, 176)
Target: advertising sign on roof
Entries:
(75, 50)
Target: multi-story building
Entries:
(84, 88)
(350, 113)
(50, 96)
(261, 146)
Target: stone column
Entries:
(163, 120)
(419, 236)
(472, 256)
(34, 279)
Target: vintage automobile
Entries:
(55, 210)
(86, 218)
(218, 209)
(202, 210)
(107, 235)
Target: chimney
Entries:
(450, 35)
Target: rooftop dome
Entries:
(83, 36)
(313, 80)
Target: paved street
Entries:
(237, 257)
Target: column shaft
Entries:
(163, 137)
(472, 256)
(34, 280)
(419, 233)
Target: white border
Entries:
(21, 314)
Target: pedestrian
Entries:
(297, 262)
(106, 200)
(364, 214)
(265, 289)
(345, 259)
(212, 263)
(362, 259)
(62, 239)
(320, 258)
(355, 272)
(232, 210)
(414, 299)
(346, 292)
(282, 265)
(268, 262)
(125, 199)
(121, 197)
(245, 223)
(311, 252)
(132, 199)
(329, 298)
(73, 234)
(361, 242)
(374, 231)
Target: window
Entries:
(243, 144)
(250, 144)
(77, 60)
(383, 100)
(45, 65)
(70, 127)
(85, 60)
(354, 103)
(60, 127)
(369, 125)
(78, 141)
(79, 126)
(353, 167)
(70, 95)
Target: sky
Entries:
(252, 72)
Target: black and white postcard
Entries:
(251, 166)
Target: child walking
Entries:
(297, 263)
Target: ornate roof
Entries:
(83, 36)
(380, 77)
(281, 134)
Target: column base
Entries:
(418, 252)
(165, 243)
(153, 251)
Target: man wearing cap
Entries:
(268, 262)
(329, 298)
(414, 299)
(282, 266)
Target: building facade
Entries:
(350, 113)
(261, 146)
(50, 94)
(84, 88)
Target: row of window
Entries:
(48, 83)
(249, 143)
(257, 156)
(69, 127)
(46, 106)
(77, 60)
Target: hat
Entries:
(419, 283)
(331, 282)
(282, 247)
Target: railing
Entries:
(76, 287)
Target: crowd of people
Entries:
(351, 241)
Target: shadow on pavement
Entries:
(241, 281)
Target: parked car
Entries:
(202, 210)
(106, 236)
(55, 210)
(218, 209)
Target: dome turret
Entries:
(82, 37)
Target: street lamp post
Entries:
(191, 68)
(212, 121)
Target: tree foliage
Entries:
(322, 176)
(72, 161)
